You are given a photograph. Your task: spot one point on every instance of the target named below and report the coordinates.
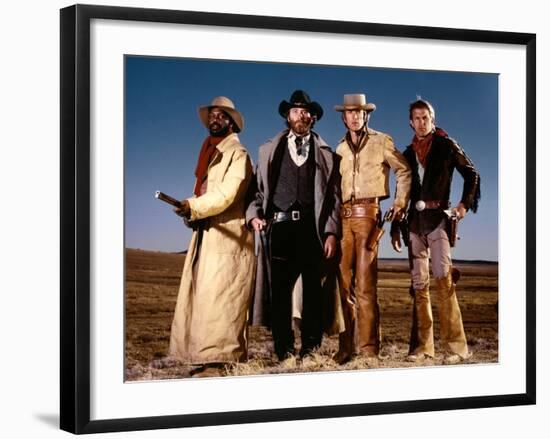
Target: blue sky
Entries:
(163, 134)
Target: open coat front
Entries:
(327, 200)
(216, 285)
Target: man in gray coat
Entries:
(295, 204)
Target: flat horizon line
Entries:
(464, 261)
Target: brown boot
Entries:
(453, 338)
(346, 339)
(422, 333)
(341, 357)
(208, 370)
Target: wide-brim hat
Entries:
(300, 99)
(355, 102)
(226, 105)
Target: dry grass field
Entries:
(152, 280)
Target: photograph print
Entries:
(296, 218)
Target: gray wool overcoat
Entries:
(327, 202)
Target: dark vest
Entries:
(295, 185)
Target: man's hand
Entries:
(460, 211)
(330, 246)
(396, 242)
(397, 213)
(258, 224)
(184, 210)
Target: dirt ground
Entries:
(152, 281)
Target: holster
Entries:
(374, 237)
(451, 227)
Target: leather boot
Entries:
(453, 338)
(422, 333)
(346, 339)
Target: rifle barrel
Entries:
(167, 199)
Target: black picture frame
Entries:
(76, 211)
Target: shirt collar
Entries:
(292, 136)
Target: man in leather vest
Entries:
(433, 156)
(366, 157)
(295, 202)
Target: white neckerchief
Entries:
(298, 159)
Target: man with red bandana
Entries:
(433, 156)
(209, 329)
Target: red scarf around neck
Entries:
(422, 147)
(208, 151)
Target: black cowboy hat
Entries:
(300, 99)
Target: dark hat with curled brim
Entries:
(300, 99)
(355, 102)
(226, 105)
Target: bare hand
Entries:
(330, 246)
(396, 242)
(184, 210)
(258, 224)
(460, 211)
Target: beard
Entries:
(217, 130)
(300, 127)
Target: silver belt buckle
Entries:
(420, 205)
(295, 215)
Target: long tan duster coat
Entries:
(211, 311)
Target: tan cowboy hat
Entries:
(355, 102)
(226, 105)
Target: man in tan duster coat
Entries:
(209, 326)
(366, 159)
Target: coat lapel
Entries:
(323, 165)
(266, 168)
(222, 147)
